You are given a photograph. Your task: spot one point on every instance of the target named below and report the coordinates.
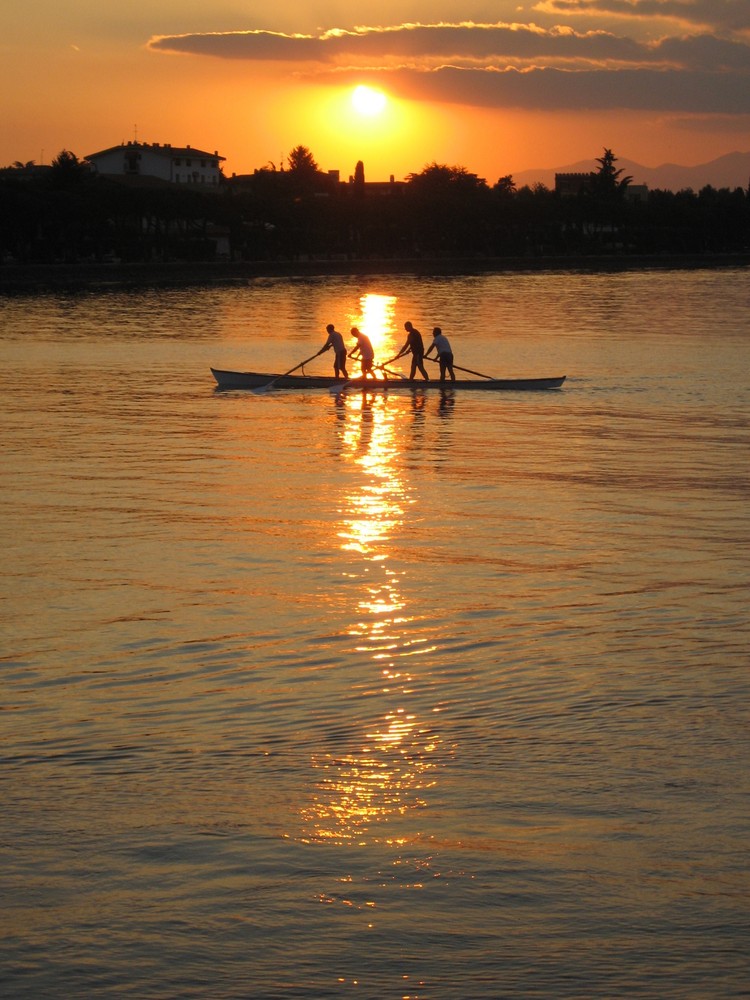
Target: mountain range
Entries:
(729, 171)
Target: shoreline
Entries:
(91, 277)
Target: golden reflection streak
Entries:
(377, 319)
(363, 789)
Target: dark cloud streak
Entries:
(559, 90)
(453, 42)
(716, 15)
(258, 46)
(471, 41)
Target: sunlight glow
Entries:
(344, 135)
(368, 101)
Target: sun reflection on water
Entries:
(379, 502)
(369, 790)
(377, 319)
(382, 779)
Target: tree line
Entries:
(68, 213)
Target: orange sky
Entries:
(497, 87)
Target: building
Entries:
(570, 185)
(322, 184)
(378, 189)
(174, 164)
(636, 192)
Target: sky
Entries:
(495, 87)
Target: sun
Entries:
(367, 100)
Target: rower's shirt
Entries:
(442, 344)
(415, 342)
(336, 341)
(365, 347)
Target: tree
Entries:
(506, 185)
(359, 180)
(438, 177)
(448, 209)
(66, 161)
(607, 180)
(605, 211)
(302, 162)
(67, 170)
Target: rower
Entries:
(364, 351)
(415, 346)
(441, 344)
(336, 341)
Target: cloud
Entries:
(729, 124)
(704, 52)
(424, 45)
(710, 15)
(407, 42)
(251, 45)
(510, 64)
(561, 90)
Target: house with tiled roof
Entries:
(163, 161)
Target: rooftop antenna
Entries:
(135, 132)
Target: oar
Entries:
(340, 387)
(265, 388)
(459, 369)
(390, 371)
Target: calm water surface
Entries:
(410, 695)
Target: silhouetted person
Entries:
(415, 346)
(444, 353)
(336, 341)
(364, 351)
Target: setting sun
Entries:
(368, 100)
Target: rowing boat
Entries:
(259, 380)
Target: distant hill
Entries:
(730, 171)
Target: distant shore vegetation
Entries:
(67, 213)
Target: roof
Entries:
(160, 149)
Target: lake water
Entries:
(416, 695)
